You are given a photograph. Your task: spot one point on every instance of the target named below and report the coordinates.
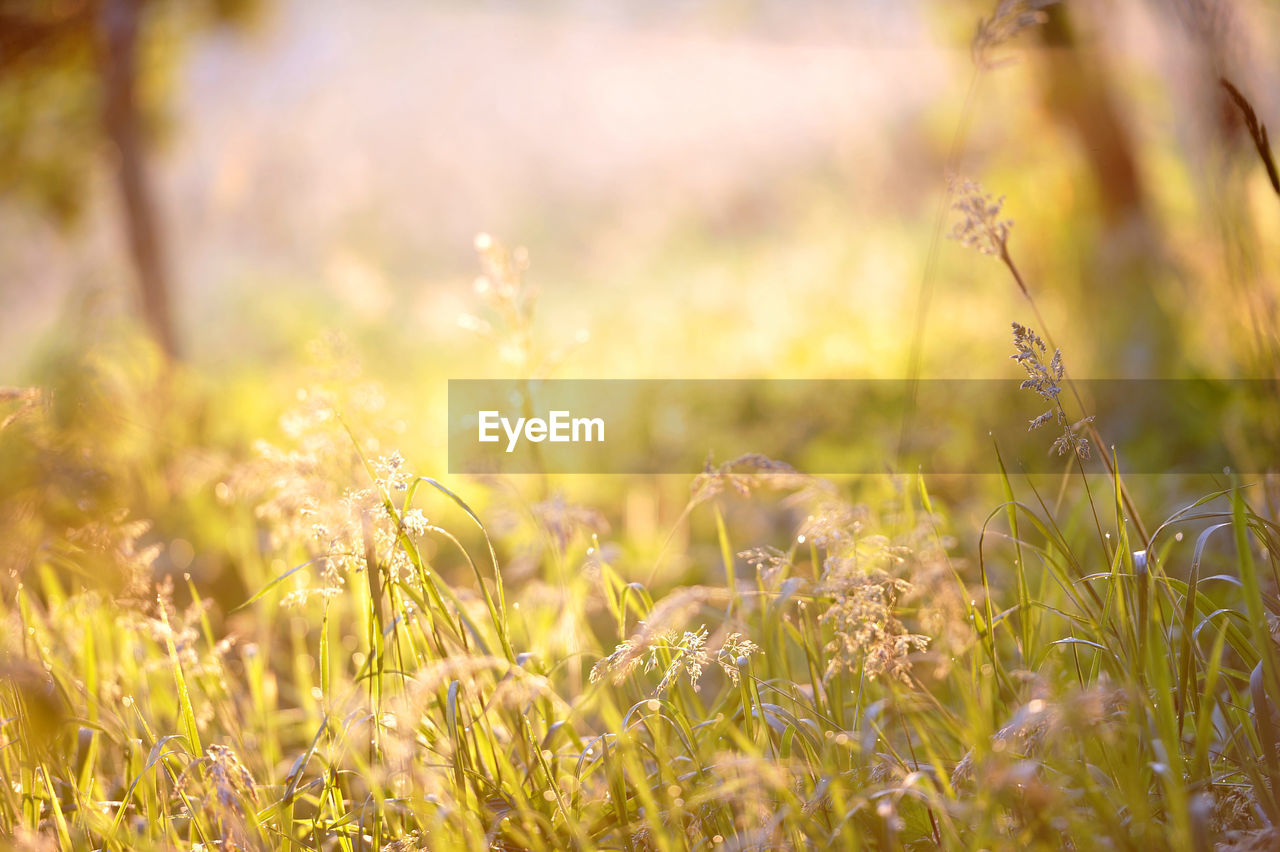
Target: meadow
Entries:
(251, 609)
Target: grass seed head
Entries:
(1005, 23)
(980, 226)
(742, 475)
(1046, 379)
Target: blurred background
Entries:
(705, 188)
(742, 186)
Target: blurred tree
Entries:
(1130, 264)
(81, 81)
(1079, 90)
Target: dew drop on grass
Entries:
(653, 704)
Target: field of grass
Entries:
(235, 616)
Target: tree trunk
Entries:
(1126, 268)
(1081, 94)
(118, 23)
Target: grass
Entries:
(389, 661)
(1116, 702)
(840, 675)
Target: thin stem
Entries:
(925, 295)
